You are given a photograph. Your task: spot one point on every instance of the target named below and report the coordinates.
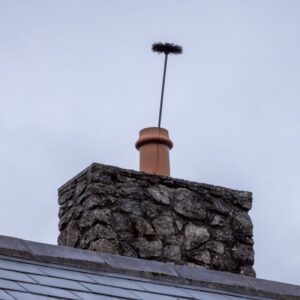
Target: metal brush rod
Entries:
(162, 90)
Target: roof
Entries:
(31, 270)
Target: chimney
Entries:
(154, 145)
(149, 216)
(130, 213)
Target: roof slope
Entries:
(30, 270)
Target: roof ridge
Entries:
(61, 255)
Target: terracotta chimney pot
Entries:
(154, 145)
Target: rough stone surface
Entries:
(188, 205)
(202, 256)
(164, 226)
(147, 248)
(143, 227)
(160, 193)
(195, 236)
(243, 253)
(172, 252)
(216, 247)
(108, 209)
(103, 245)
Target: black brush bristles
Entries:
(166, 48)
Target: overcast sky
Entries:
(78, 81)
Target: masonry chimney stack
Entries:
(124, 212)
(154, 145)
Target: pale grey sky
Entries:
(78, 81)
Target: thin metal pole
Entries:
(162, 90)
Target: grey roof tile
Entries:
(49, 291)
(5, 296)
(277, 287)
(16, 276)
(29, 296)
(201, 274)
(117, 282)
(165, 289)
(10, 285)
(125, 276)
(111, 291)
(14, 247)
(61, 254)
(66, 274)
(58, 282)
(88, 296)
(202, 295)
(19, 266)
(128, 265)
(151, 296)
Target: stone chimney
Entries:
(136, 214)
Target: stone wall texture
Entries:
(130, 213)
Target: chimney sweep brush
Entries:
(167, 49)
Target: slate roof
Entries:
(30, 270)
